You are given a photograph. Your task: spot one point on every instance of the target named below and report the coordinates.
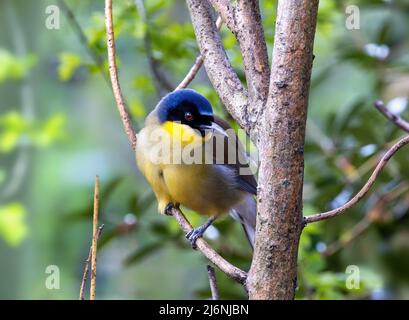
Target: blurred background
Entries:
(59, 127)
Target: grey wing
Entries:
(245, 179)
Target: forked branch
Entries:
(243, 18)
(92, 255)
(219, 70)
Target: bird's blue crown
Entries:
(183, 100)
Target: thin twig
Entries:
(86, 267)
(213, 283)
(226, 12)
(94, 241)
(113, 72)
(197, 65)
(381, 164)
(225, 266)
(232, 271)
(404, 125)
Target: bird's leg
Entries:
(169, 207)
(195, 233)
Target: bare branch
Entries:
(86, 267)
(125, 117)
(226, 11)
(381, 164)
(197, 65)
(94, 241)
(254, 49)
(85, 274)
(218, 68)
(213, 283)
(404, 125)
(232, 271)
(244, 21)
(225, 266)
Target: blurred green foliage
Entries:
(13, 67)
(12, 225)
(59, 127)
(69, 63)
(14, 127)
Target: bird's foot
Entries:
(196, 233)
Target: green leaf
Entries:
(12, 126)
(143, 83)
(137, 109)
(13, 67)
(51, 130)
(12, 224)
(69, 63)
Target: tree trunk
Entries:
(273, 273)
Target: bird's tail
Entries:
(245, 212)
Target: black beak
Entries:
(212, 127)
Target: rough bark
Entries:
(273, 273)
(216, 62)
(244, 21)
(255, 58)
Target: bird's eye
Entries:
(189, 116)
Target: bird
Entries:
(193, 158)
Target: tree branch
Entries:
(381, 164)
(226, 12)
(218, 68)
(273, 272)
(213, 283)
(244, 20)
(197, 65)
(86, 267)
(404, 125)
(113, 72)
(225, 266)
(232, 271)
(94, 241)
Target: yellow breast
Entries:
(200, 187)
